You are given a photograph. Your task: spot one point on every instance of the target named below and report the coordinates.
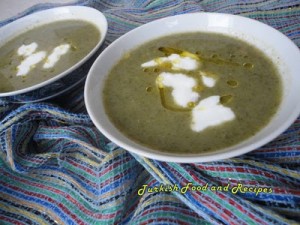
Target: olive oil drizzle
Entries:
(169, 51)
(225, 99)
(167, 106)
(197, 56)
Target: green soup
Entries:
(246, 81)
(44, 52)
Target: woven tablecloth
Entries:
(56, 168)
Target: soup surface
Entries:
(44, 52)
(192, 92)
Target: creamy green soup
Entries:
(44, 52)
(234, 88)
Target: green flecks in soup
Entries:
(44, 52)
(192, 92)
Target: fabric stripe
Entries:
(57, 168)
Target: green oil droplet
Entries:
(232, 83)
(198, 88)
(191, 104)
(166, 65)
(225, 99)
(248, 65)
(149, 89)
(156, 70)
(169, 50)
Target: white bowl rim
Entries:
(79, 9)
(181, 158)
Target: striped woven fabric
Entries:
(56, 168)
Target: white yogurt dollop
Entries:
(26, 50)
(32, 58)
(182, 85)
(55, 55)
(29, 62)
(178, 62)
(209, 112)
(208, 81)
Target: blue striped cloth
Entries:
(56, 168)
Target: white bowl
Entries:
(278, 47)
(61, 82)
